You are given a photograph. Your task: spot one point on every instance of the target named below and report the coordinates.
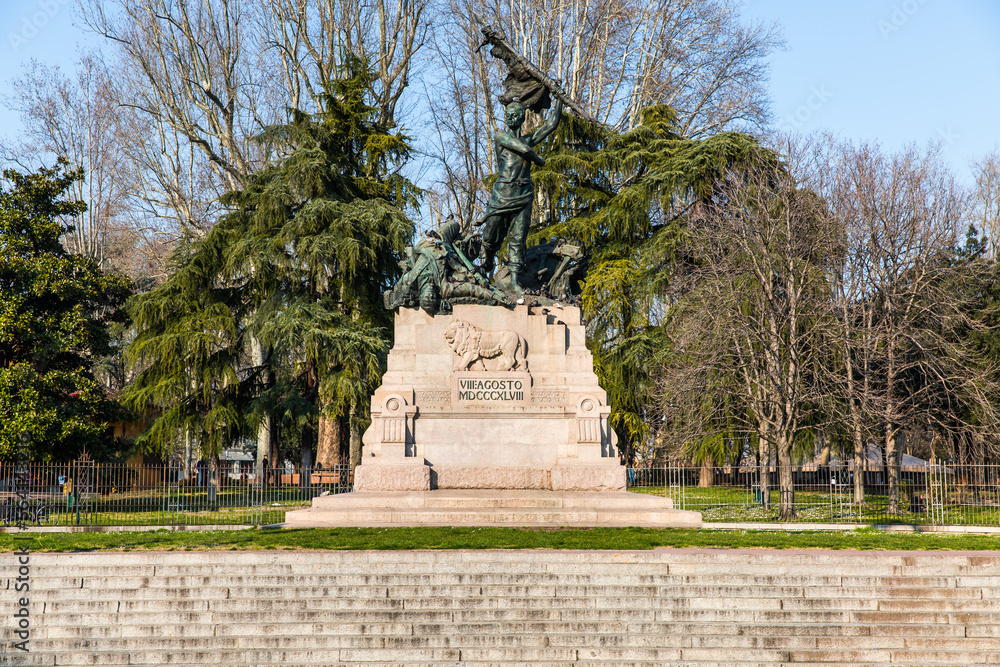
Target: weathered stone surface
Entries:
(588, 478)
(392, 478)
(493, 507)
(490, 477)
(486, 391)
(509, 607)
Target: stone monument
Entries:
(490, 412)
(490, 398)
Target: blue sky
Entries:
(895, 71)
(889, 70)
(39, 29)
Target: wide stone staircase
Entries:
(507, 608)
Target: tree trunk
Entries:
(825, 453)
(764, 468)
(706, 476)
(332, 446)
(187, 453)
(343, 427)
(306, 455)
(328, 443)
(264, 445)
(354, 458)
(854, 406)
(213, 479)
(274, 456)
(860, 458)
(785, 484)
(893, 456)
(260, 358)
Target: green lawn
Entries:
(734, 504)
(232, 506)
(491, 538)
(223, 516)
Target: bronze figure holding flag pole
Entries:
(508, 212)
(438, 271)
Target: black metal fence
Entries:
(88, 494)
(929, 494)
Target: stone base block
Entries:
(389, 477)
(588, 478)
(492, 507)
(489, 477)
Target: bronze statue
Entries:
(438, 272)
(551, 270)
(525, 80)
(437, 275)
(508, 213)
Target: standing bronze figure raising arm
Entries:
(508, 213)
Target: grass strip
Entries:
(492, 538)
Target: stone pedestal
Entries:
(490, 398)
(490, 417)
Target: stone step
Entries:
(659, 583)
(486, 573)
(508, 640)
(490, 507)
(522, 656)
(495, 663)
(677, 607)
(943, 563)
(503, 517)
(676, 635)
(674, 574)
(641, 596)
(652, 562)
(164, 577)
(37, 659)
(316, 656)
(512, 615)
(465, 587)
(576, 621)
(77, 600)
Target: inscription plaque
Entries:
(499, 389)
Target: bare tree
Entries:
(193, 67)
(76, 119)
(847, 380)
(750, 314)
(311, 38)
(199, 79)
(194, 89)
(203, 77)
(618, 57)
(614, 56)
(987, 200)
(903, 313)
(309, 42)
(464, 125)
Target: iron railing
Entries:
(90, 494)
(930, 494)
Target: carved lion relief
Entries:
(480, 350)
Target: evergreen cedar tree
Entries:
(298, 265)
(627, 199)
(55, 311)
